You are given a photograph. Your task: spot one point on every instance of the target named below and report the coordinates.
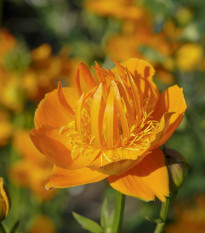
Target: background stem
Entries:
(119, 210)
(163, 216)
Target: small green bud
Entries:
(177, 169)
(4, 201)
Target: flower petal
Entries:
(147, 179)
(83, 79)
(62, 178)
(50, 143)
(53, 109)
(171, 100)
(96, 128)
(142, 75)
(117, 161)
(56, 148)
(139, 67)
(109, 119)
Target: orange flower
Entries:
(7, 43)
(122, 9)
(110, 128)
(33, 169)
(6, 128)
(42, 224)
(190, 217)
(46, 70)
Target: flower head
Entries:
(110, 127)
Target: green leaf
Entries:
(88, 224)
(104, 214)
(15, 227)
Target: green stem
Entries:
(163, 216)
(119, 210)
(2, 229)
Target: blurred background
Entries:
(41, 43)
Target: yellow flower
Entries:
(11, 93)
(4, 201)
(110, 127)
(33, 169)
(189, 57)
(42, 224)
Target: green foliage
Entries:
(18, 59)
(107, 218)
(88, 224)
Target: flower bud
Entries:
(4, 201)
(177, 169)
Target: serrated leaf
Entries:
(88, 224)
(104, 214)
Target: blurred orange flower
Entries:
(45, 71)
(140, 40)
(110, 128)
(33, 169)
(122, 9)
(7, 43)
(42, 224)
(6, 128)
(11, 93)
(190, 217)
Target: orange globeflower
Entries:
(110, 127)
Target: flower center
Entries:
(112, 116)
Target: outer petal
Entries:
(171, 100)
(62, 178)
(139, 67)
(56, 108)
(146, 180)
(52, 145)
(56, 148)
(114, 162)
